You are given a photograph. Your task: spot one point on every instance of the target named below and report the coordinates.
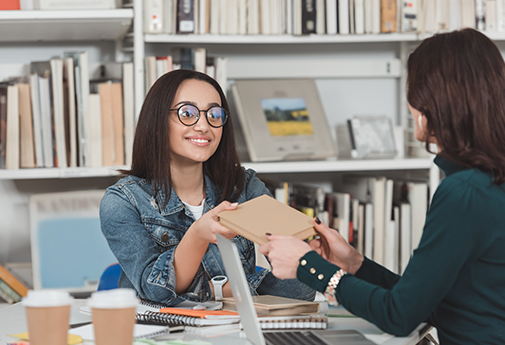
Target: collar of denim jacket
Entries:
(175, 204)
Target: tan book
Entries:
(267, 305)
(388, 15)
(107, 123)
(263, 214)
(117, 118)
(27, 146)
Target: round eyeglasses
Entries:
(189, 115)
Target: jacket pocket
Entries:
(163, 232)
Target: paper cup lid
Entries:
(47, 298)
(113, 299)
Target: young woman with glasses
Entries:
(160, 221)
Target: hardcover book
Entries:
(263, 214)
(268, 305)
(308, 17)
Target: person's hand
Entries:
(334, 248)
(208, 225)
(284, 253)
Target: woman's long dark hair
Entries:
(151, 149)
(457, 80)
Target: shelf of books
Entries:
(28, 26)
(279, 39)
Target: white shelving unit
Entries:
(37, 35)
(77, 25)
(278, 39)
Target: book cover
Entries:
(12, 149)
(104, 90)
(12, 282)
(263, 214)
(388, 15)
(27, 154)
(185, 17)
(331, 17)
(308, 17)
(3, 125)
(58, 112)
(320, 17)
(8, 293)
(343, 17)
(70, 119)
(95, 139)
(359, 16)
(82, 85)
(154, 16)
(9, 5)
(268, 305)
(128, 111)
(37, 122)
(117, 123)
(409, 16)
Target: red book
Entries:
(9, 5)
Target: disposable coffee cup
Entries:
(113, 314)
(47, 315)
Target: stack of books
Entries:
(65, 112)
(12, 290)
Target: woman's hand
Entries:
(208, 225)
(284, 253)
(334, 248)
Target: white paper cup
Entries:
(47, 316)
(113, 314)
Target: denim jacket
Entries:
(143, 236)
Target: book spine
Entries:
(5, 297)
(15, 284)
(153, 16)
(7, 290)
(185, 17)
(308, 17)
(480, 15)
(388, 15)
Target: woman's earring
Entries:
(420, 122)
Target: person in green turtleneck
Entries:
(455, 279)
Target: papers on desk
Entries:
(139, 331)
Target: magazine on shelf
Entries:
(282, 120)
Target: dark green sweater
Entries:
(455, 280)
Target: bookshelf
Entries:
(346, 64)
(37, 36)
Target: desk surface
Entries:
(12, 321)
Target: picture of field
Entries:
(287, 116)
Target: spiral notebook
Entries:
(150, 312)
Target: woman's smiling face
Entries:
(196, 143)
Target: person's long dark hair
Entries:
(151, 149)
(457, 80)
